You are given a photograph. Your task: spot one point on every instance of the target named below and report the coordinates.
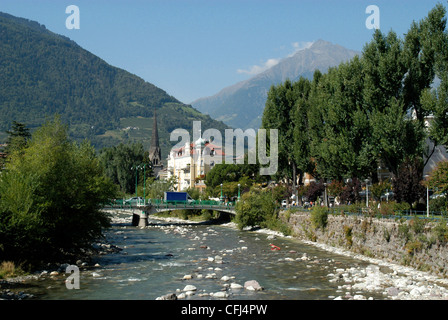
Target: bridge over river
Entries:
(141, 209)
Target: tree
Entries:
(438, 178)
(121, 162)
(50, 198)
(256, 207)
(351, 191)
(277, 114)
(407, 184)
(157, 188)
(301, 137)
(18, 137)
(341, 144)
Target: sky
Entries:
(195, 48)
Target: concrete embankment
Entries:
(417, 255)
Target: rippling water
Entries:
(155, 259)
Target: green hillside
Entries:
(42, 74)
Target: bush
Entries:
(51, 194)
(319, 217)
(440, 231)
(255, 209)
(438, 204)
(9, 269)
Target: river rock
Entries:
(252, 285)
(187, 277)
(235, 286)
(189, 288)
(225, 278)
(392, 291)
(169, 296)
(220, 294)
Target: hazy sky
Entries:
(194, 48)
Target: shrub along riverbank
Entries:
(51, 193)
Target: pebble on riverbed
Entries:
(392, 285)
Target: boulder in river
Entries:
(189, 288)
(169, 296)
(252, 285)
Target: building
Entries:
(191, 162)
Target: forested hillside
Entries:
(42, 74)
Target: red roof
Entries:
(210, 146)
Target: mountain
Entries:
(241, 105)
(43, 74)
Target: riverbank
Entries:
(213, 263)
(395, 281)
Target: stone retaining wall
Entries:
(396, 241)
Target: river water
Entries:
(154, 260)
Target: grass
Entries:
(8, 270)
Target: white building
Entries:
(190, 163)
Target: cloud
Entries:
(260, 68)
(301, 45)
(256, 69)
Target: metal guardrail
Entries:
(365, 212)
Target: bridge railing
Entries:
(199, 204)
(160, 203)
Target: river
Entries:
(166, 256)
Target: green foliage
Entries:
(255, 208)
(348, 235)
(230, 175)
(50, 198)
(439, 204)
(380, 188)
(360, 112)
(18, 137)
(156, 188)
(440, 231)
(319, 217)
(438, 177)
(121, 163)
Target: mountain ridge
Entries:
(43, 74)
(241, 105)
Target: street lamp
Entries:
(136, 179)
(367, 193)
(221, 193)
(325, 195)
(427, 195)
(144, 184)
(239, 192)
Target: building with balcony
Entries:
(191, 162)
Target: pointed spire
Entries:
(154, 151)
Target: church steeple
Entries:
(155, 154)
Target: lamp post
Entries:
(367, 193)
(427, 196)
(144, 184)
(221, 193)
(325, 195)
(136, 179)
(239, 192)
